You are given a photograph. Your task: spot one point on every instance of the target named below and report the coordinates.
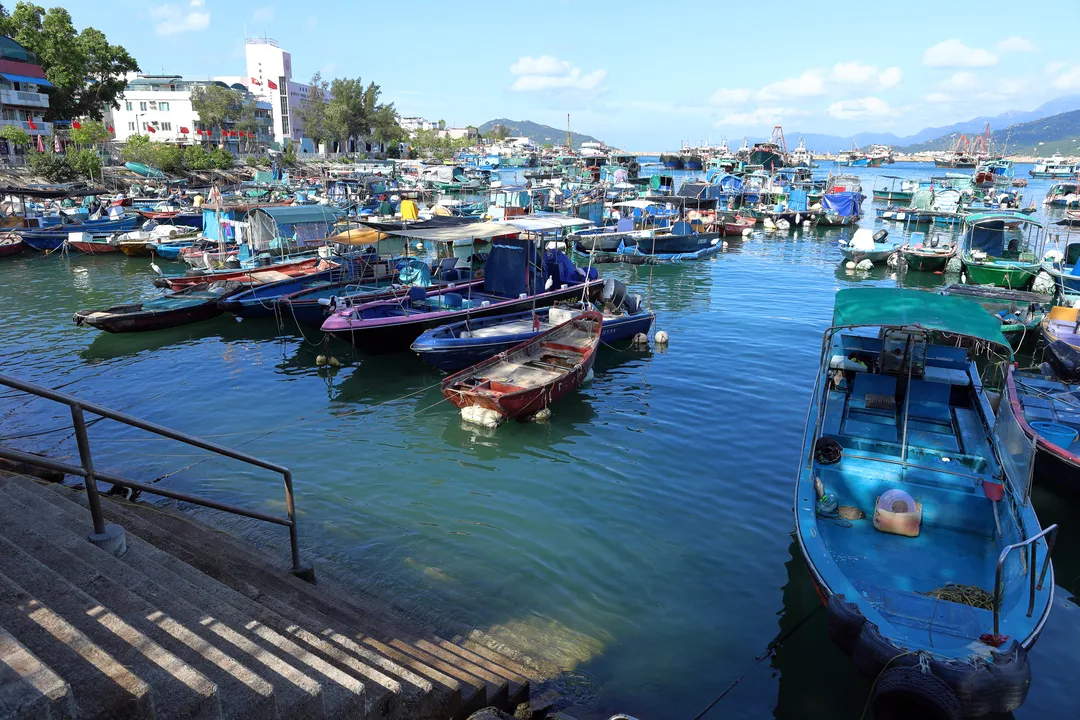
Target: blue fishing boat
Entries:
(1062, 266)
(1048, 409)
(840, 209)
(458, 345)
(913, 507)
(53, 238)
(260, 300)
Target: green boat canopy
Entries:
(897, 307)
(1009, 217)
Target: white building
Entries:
(159, 107)
(270, 79)
(413, 124)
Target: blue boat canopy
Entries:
(302, 222)
(844, 204)
(26, 79)
(895, 307)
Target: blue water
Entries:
(641, 537)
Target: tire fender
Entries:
(845, 622)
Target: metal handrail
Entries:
(87, 471)
(1031, 541)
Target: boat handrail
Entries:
(1032, 542)
(90, 474)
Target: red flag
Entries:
(33, 126)
(111, 131)
(76, 124)
(184, 130)
(151, 128)
(198, 131)
(255, 82)
(271, 84)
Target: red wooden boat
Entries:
(736, 225)
(281, 271)
(11, 245)
(158, 214)
(92, 245)
(528, 377)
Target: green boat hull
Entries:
(925, 263)
(1017, 277)
(893, 196)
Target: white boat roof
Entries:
(639, 204)
(471, 231)
(541, 221)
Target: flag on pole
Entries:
(255, 82)
(40, 144)
(33, 125)
(111, 131)
(76, 124)
(184, 130)
(151, 128)
(271, 84)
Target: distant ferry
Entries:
(1056, 167)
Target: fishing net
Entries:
(972, 595)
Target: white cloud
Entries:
(857, 74)
(730, 96)
(953, 53)
(860, 108)
(668, 108)
(546, 73)
(264, 14)
(759, 117)
(1055, 67)
(1011, 86)
(1016, 44)
(175, 19)
(1069, 80)
(961, 80)
(890, 77)
(809, 84)
(938, 98)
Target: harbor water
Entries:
(641, 538)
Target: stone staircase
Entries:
(192, 623)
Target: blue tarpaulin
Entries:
(844, 204)
(512, 267)
(988, 237)
(797, 200)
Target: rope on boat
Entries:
(972, 595)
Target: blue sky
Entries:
(640, 75)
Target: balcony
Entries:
(24, 99)
(43, 128)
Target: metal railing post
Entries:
(87, 463)
(304, 572)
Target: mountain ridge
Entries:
(538, 133)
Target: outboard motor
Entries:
(1065, 361)
(880, 235)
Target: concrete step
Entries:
(29, 688)
(155, 610)
(506, 682)
(456, 688)
(307, 683)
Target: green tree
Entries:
(217, 105)
(197, 158)
(311, 115)
(91, 133)
(223, 159)
(15, 135)
(85, 162)
(87, 72)
(385, 129)
(139, 149)
(53, 166)
(345, 112)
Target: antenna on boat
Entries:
(568, 145)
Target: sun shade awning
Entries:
(893, 307)
(26, 79)
(474, 231)
(539, 223)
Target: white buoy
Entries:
(542, 415)
(481, 416)
(334, 362)
(321, 360)
(661, 337)
(850, 265)
(865, 264)
(724, 245)
(641, 339)
(747, 232)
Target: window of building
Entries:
(165, 126)
(163, 106)
(131, 125)
(127, 106)
(142, 106)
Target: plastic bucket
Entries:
(1061, 435)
